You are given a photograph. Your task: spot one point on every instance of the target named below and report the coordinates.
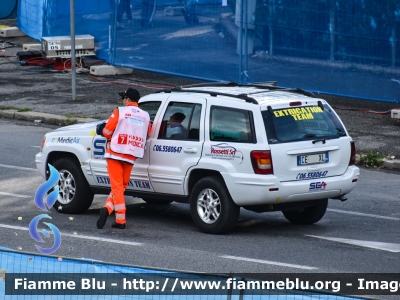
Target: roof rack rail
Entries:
(298, 91)
(265, 84)
(269, 85)
(216, 83)
(244, 97)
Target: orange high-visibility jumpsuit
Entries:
(119, 169)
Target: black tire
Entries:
(226, 212)
(308, 215)
(156, 201)
(75, 196)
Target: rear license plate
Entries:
(312, 159)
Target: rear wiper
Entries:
(319, 140)
(312, 135)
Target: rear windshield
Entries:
(301, 123)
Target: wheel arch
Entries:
(197, 174)
(56, 155)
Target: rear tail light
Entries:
(262, 162)
(352, 161)
(296, 103)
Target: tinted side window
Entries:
(181, 122)
(151, 107)
(231, 125)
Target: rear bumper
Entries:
(252, 189)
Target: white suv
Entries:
(260, 147)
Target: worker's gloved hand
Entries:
(99, 128)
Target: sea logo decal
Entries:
(317, 186)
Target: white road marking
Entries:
(85, 237)
(17, 168)
(390, 247)
(95, 238)
(36, 147)
(14, 195)
(14, 227)
(363, 214)
(268, 262)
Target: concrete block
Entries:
(11, 32)
(395, 113)
(29, 47)
(109, 70)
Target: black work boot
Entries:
(103, 218)
(119, 226)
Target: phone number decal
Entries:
(171, 149)
(311, 175)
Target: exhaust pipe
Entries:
(341, 198)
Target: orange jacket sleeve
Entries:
(111, 124)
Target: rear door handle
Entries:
(190, 150)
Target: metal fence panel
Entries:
(348, 48)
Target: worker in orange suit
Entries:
(126, 131)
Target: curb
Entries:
(38, 117)
(391, 163)
(46, 118)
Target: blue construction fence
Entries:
(29, 276)
(8, 9)
(342, 47)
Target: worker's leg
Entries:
(119, 203)
(109, 203)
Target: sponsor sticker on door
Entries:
(225, 152)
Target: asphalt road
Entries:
(359, 235)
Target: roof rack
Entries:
(268, 86)
(230, 83)
(244, 97)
